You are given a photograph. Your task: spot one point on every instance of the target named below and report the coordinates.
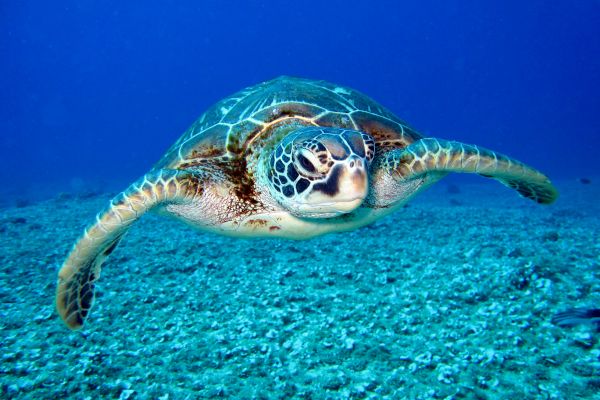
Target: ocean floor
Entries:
(452, 297)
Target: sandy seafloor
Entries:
(449, 298)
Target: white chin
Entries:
(328, 210)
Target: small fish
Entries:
(578, 316)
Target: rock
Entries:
(594, 384)
(126, 394)
(551, 236)
(12, 389)
(349, 344)
(335, 382)
(516, 252)
(446, 374)
(271, 334)
(424, 358)
(584, 340)
(583, 368)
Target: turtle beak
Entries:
(353, 185)
(344, 191)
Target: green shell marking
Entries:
(228, 128)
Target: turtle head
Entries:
(318, 172)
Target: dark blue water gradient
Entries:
(94, 92)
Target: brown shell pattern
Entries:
(229, 127)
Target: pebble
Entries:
(446, 374)
(126, 394)
(551, 236)
(424, 358)
(271, 334)
(13, 389)
(349, 344)
(584, 339)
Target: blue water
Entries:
(93, 93)
(451, 296)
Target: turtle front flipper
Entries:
(435, 155)
(78, 274)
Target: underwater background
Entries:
(452, 297)
(97, 91)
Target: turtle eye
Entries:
(306, 163)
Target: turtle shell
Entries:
(228, 129)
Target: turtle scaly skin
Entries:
(77, 277)
(291, 158)
(436, 155)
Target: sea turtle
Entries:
(292, 158)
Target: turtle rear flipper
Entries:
(78, 274)
(436, 155)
